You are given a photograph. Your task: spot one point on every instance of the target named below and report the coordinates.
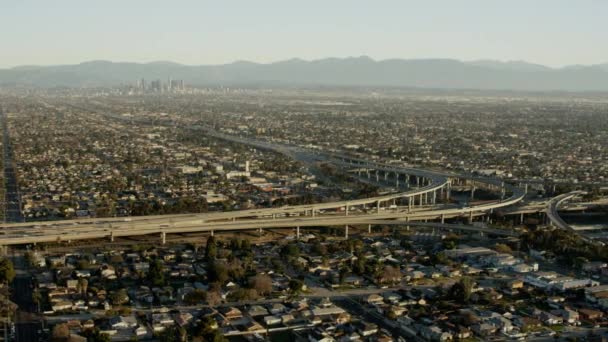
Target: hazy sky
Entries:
(551, 32)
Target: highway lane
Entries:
(246, 213)
(554, 204)
(12, 199)
(85, 232)
(557, 221)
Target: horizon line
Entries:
(465, 61)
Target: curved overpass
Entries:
(553, 206)
(557, 221)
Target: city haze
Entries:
(554, 33)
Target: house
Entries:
(272, 320)
(72, 284)
(277, 308)
(123, 322)
(569, 316)
(590, 314)
(287, 318)
(182, 319)
(434, 333)
(526, 323)
(257, 310)
(367, 329)
(375, 299)
(231, 313)
(484, 329)
(252, 325)
(343, 318)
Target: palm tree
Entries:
(83, 284)
(36, 299)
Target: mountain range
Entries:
(352, 71)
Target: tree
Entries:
(450, 241)
(195, 297)
(579, 262)
(502, 248)
(290, 251)
(83, 285)
(211, 249)
(261, 283)
(213, 298)
(7, 271)
(95, 335)
(173, 334)
(359, 266)
(119, 297)
(461, 291)
(296, 286)
(208, 330)
(156, 273)
(391, 274)
(36, 298)
(318, 249)
(218, 272)
(343, 273)
(61, 332)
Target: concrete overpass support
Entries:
(377, 176)
(346, 211)
(470, 216)
(346, 232)
(369, 229)
(111, 236)
(473, 192)
(448, 190)
(298, 232)
(378, 207)
(163, 238)
(442, 218)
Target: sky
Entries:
(549, 32)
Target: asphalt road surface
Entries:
(12, 197)
(27, 323)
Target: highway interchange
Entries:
(420, 208)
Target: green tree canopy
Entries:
(7, 271)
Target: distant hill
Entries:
(354, 71)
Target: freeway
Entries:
(12, 199)
(190, 224)
(309, 215)
(557, 221)
(554, 204)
